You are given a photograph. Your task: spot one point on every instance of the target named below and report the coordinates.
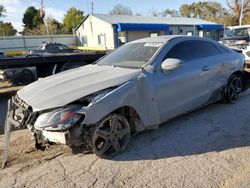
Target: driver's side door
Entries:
(183, 88)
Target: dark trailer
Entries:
(22, 70)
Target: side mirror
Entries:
(170, 64)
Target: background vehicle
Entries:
(53, 48)
(239, 36)
(138, 86)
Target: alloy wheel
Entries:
(111, 136)
(234, 88)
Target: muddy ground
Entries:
(206, 148)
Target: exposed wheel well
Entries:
(238, 73)
(132, 117)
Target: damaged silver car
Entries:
(138, 86)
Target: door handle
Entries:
(205, 68)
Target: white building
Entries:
(111, 31)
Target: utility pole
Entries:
(92, 7)
(241, 11)
(42, 15)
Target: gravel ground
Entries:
(206, 148)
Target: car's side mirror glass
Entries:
(170, 64)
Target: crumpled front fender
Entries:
(138, 93)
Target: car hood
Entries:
(66, 87)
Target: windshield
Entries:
(132, 55)
(239, 32)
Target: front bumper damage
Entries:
(20, 115)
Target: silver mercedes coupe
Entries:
(138, 86)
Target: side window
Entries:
(62, 47)
(185, 51)
(52, 47)
(101, 39)
(208, 49)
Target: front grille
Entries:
(19, 102)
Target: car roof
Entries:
(167, 38)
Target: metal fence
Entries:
(30, 42)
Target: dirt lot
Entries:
(207, 148)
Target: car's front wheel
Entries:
(111, 136)
(233, 89)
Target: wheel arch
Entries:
(132, 116)
(237, 73)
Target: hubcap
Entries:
(111, 136)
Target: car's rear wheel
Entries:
(111, 136)
(233, 89)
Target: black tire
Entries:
(23, 77)
(110, 136)
(233, 89)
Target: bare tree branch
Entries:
(246, 4)
(229, 5)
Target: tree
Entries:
(235, 7)
(72, 19)
(207, 10)
(246, 19)
(154, 12)
(2, 10)
(31, 18)
(121, 9)
(215, 12)
(170, 12)
(138, 14)
(53, 27)
(7, 29)
(194, 10)
(186, 10)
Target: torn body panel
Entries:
(138, 94)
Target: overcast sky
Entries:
(57, 8)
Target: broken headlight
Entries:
(59, 119)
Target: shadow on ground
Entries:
(215, 128)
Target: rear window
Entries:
(208, 49)
(223, 49)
